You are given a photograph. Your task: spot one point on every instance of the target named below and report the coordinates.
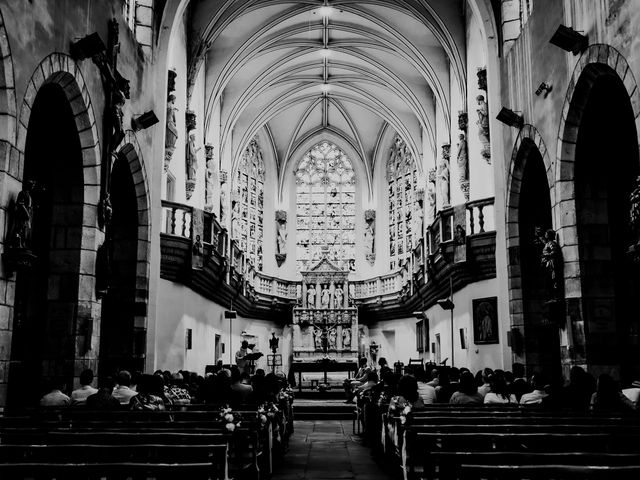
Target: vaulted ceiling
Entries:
(300, 69)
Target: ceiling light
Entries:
(325, 87)
(325, 52)
(325, 11)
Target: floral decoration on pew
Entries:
(230, 419)
(406, 410)
(286, 394)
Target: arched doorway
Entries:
(541, 336)
(45, 329)
(606, 166)
(117, 333)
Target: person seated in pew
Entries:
(434, 378)
(499, 393)
(427, 392)
(444, 390)
(407, 396)
(150, 391)
(103, 399)
(55, 397)
(79, 395)
(123, 391)
(350, 384)
(608, 397)
(539, 382)
(576, 395)
(386, 389)
(240, 391)
(176, 393)
(467, 393)
(519, 386)
(372, 381)
(486, 386)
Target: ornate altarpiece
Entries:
(326, 325)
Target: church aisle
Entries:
(327, 450)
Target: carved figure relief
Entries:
(444, 177)
(281, 236)
(338, 297)
(171, 132)
(210, 178)
(346, 338)
(483, 127)
(191, 161)
(551, 260)
(224, 198)
(20, 236)
(311, 297)
(463, 166)
(325, 298)
(431, 194)
(369, 235)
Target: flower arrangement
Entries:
(405, 412)
(230, 419)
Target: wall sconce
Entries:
(569, 40)
(87, 47)
(146, 120)
(510, 118)
(544, 87)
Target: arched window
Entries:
(248, 204)
(402, 178)
(325, 189)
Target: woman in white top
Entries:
(499, 393)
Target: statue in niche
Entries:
(444, 177)
(338, 296)
(209, 177)
(171, 135)
(20, 236)
(483, 127)
(281, 236)
(223, 198)
(431, 194)
(318, 333)
(325, 298)
(369, 236)
(311, 297)
(463, 159)
(333, 339)
(346, 338)
(551, 261)
(192, 159)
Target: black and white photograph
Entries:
(429, 210)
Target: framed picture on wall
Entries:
(485, 320)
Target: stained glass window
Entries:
(248, 204)
(325, 190)
(402, 180)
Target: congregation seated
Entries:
(177, 394)
(55, 397)
(123, 391)
(485, 386)
(407, 395)
(499, 392)
(444, 390)
(519, 385)
(150, 394)
(79, 396)
(608, 397)
(535, 397)
(350, 384)
(103, 399)
(241, 390)
(372, 381)
(427, 392)
(433, 381)
(467, 393)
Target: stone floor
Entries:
(327, 449)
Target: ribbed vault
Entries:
(303, 69)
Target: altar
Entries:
(325, 324)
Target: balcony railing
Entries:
(477, 215)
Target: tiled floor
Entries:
(326, 449)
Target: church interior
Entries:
(256, 201)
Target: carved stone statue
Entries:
(431, 194)
(325, 298)
(223, 198)
(551, 260)
(20, 236)
(444, 177)
(417, 220)
(333, 339)
(192, 159)
(311, 297)
(463, 165)
(317, 337)
(369, 235)
(338, 296)
(346, 338)
(210, 177)
(171, 135)
(281, 236)
(483, 127)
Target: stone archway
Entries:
(124, 307)
(531, 169)
(585, 194)
(71, 202)
(8, 113)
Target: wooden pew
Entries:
(115, 471)
(449, 463)
(214, 455)
(547, 472)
